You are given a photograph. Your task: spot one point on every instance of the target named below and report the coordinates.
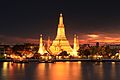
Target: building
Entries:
(76, 45)
(42, 49)
(60, 43)
(114, 46)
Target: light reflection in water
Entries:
(60, 71)
(5, 65)
(113, 71)
(98, 69)
(9, 70)
(4, 70)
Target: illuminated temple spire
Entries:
(60, 43)
(61, 29)
(41, 46)
(76, 45)
(61, 20)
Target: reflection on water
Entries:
(60, 71)
(11, 71)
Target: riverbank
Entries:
(63, 60)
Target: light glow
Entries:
(93, 35)
(60, 43)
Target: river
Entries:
(60, 71)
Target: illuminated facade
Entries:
(41, 46)
(60, 43)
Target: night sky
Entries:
(22, 20)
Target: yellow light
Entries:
(5, 65)
(67, 62)
(5, 55)
(43, 57)
(74, 53)
(113, 62)
(112, 57)
(23, 66)
(50, 57)
(79, 61)
(100, 56)
(95, 56)
(15, 56)
(23, 56)
(11, 56)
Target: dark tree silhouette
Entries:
(63, 53)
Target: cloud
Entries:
(83, 38)
(16, 40)
(99, 37)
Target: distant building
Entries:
(2, 49)
(5, 49)
(116, 46)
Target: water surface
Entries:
(60, 71)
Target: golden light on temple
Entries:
(60, 43)
(41, 46)
(76, 45)
(61, 20)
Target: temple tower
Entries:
(76, 45)
(41, 46)
(60, 43)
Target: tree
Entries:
(87, 52)
(63, 53)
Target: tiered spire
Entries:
(41, 46)
(61, 20)
(61, 28)
(76, 45)
(60, 42)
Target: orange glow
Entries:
(58, 71)
(62, 67)
(101, 37)
(93, 35)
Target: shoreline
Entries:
(62, 60)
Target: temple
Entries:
(76, 45)
(60, 43)
(41, 47)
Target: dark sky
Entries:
(28, 19)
